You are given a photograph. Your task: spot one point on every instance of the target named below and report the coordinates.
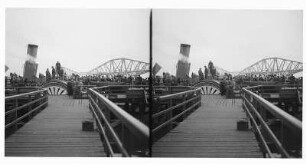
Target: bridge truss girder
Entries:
(221, 71)
(69, 72)
(274, 65)
(119, 66)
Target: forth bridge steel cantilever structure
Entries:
(130, 67)
(119, 66)
(273, 65)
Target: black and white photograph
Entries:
(76, 82)
(227, 83)
(173, 83)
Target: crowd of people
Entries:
(58, 73)
(15, 80)
(289, 79)
(120, 79)
(170, 80)
(210, 72)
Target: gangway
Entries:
(47, 125)
(210, 132)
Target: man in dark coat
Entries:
(48, 75)
(53, 73)
(206, 72)
(201, 75)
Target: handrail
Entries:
(23, 116)
(138, 128)
(174, 117)
(114, 86)
(112, 131)
(276, 111)
(86, 85)
(99, 124)
(12, 116)
(23, 94)
(266, 147)
(171, 108)
(191, 99)
(135, 127)
(142, 86)
(260, 86)
(249, 98)
(174, 95)
(271, 134)
(138, 86)
(23, 106)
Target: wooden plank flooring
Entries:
(210, 131)
(56, 131)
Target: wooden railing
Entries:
(133, 99)
(286, 97)
(19, 90)
(271, 91)
(22, 107)
(170, 109)
(166, 90)
(121, 133)
(277, 131)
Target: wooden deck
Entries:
(56, 132)
(210, 132)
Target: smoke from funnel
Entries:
(184, 53)
(30, 66)
(32, 53)
(183, 66)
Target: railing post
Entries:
(170, 114)
(42, 96)
(184, 107)
(29, 109)
(156, 106)
(16, 114)
(286, 135)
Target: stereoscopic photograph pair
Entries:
(203, 83)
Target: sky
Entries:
(231, 39)
(80, 39)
